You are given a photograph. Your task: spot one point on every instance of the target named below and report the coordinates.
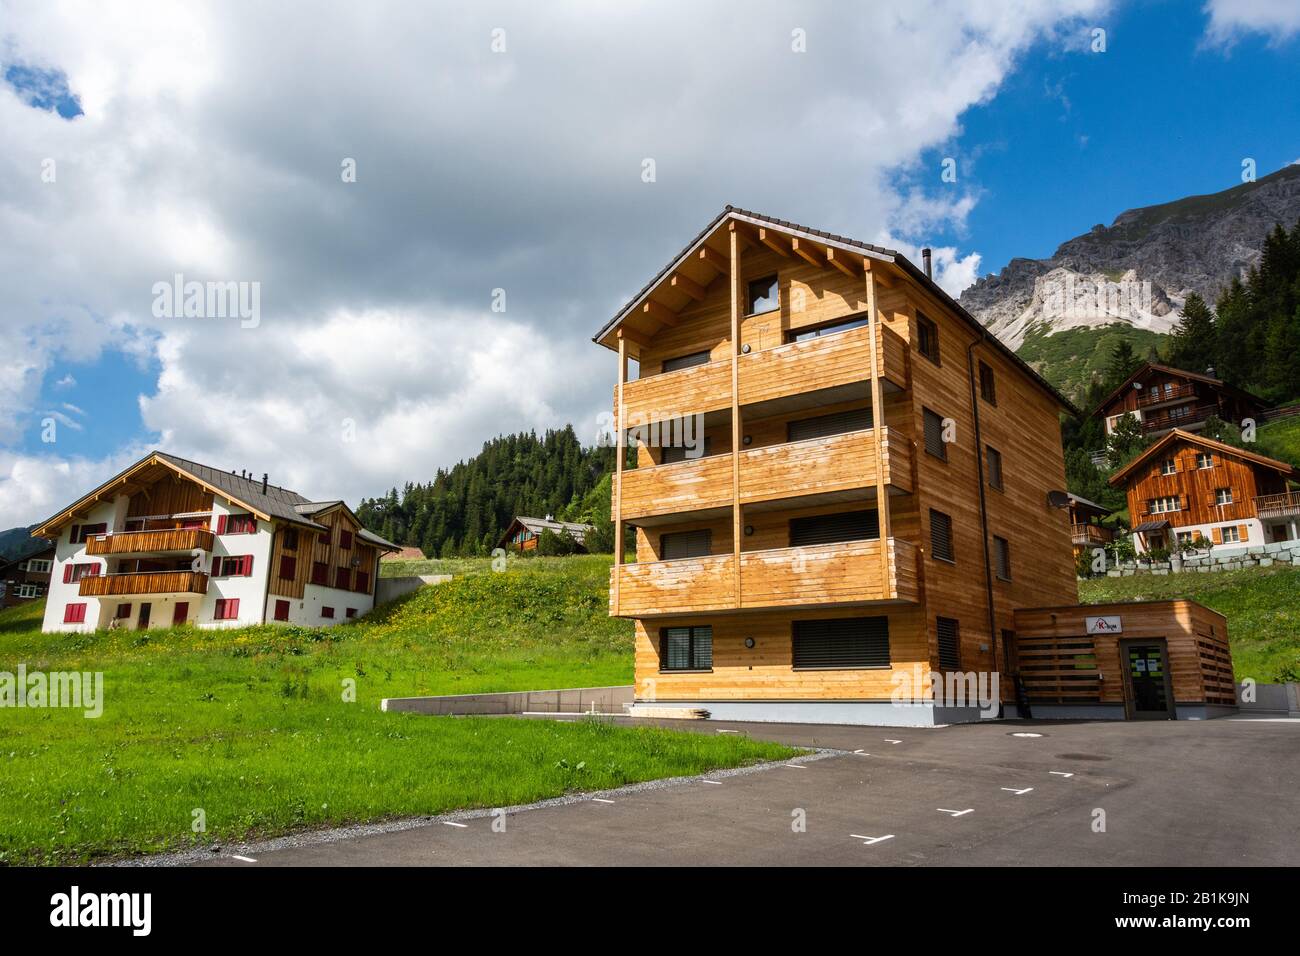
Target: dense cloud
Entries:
(212, 144)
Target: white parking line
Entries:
(716, 783)
(728, 731)
(862, 753)
(794, 766)
(956, 813)
(888, 741)
(1018, 793)
(242, 859)
(1060, 773)
(453, 823)
(870, 840)
(600, 800)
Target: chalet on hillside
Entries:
(1086, 530)
(26, 578)
(523, 532)
(1187, 487)
(1162, 398)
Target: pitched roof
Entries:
(1170, 370)
(275, 502)
(1192, 438)
(1080, 500)
(573, 529)
(843, 242)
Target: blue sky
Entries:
(1073, 139)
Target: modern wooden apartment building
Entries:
(840, 482)
(170, 541)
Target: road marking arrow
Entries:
(867, 841)
(1018, 792)
(956, 813)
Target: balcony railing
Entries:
(821, 465)
(146, 542)
(1158, 396)
(684, 486)
(849, 572)
(1091, 534)
(144, 582)
(1285, 505)
(825, 362)
(1160, 423)
(688, 391)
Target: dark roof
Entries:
(1079, 499)
(1182, 373)
(879, 252)
(573, 529)
(1146, 526)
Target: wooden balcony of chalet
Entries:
(1160, 396)
(150, 542)
(1286, 505)
(845, 573)
(144, 582)
(1087, 534)
(1163, 422)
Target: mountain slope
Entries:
(1138, 270)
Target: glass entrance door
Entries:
(1147, 680)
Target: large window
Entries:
(839, 643)
(236, 524)
(763, 295)
(1159, 506)
(934, 443)
(686, 649)
(941, 536)
(685, 544)
(830, 328)
(823, 426)
(949, 643)
(927, 338)
(828, 529)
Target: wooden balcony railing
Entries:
(1159, 423)
(140, 542)
(849, 572)
(684, 486)
(1158, 396)
(1278, 506)
(824, 362)
(818, 465)
(688, 391)
(1091, 534)
(142, 582)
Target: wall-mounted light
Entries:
(749, 529)
(749, 642)
(748, 439)
(744, 349)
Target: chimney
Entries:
(264, 477)
(1209, 370)
(925, 260)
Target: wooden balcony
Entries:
(821, 466)
(150, 542)
(1159, 396)
(694, 485)
(688, 391)
(845, 573)
(1285, 505)
(1154, 424)
(822, 363)
(1090, 534)
(153, 582)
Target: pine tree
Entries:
(1195, 345)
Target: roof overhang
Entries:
(1282, 467)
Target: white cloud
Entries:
(1279, 20)
(211, 145)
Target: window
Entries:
(320, 573)
(234, 565)
(36, 566)
(1223, 496)
(670, 454)
(290, 540)
(288, 567)
(941, 536)
(1185, 537)
(1002, 558)
(327, 612)
(281, 610)
(1168, 467)
(75, 572)
(227, 609)
(827, 529)
(122, 612)
(927, 338)
(847, 642)
(345, 539)
(686, 361)
(934, 443)
(949, 643)
(28, 590)
(686, 649)
(236, 524)
(823, 426)
(1231, 535)
(363, 582)
(993, 459)
(685, 544)
(350, 612)
(839, 325)
(1159, 506)
(74, 613)
(81, 532)
(343, 578)
(1204, 460)
(988, 388)
(763, 295)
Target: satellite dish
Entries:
(1058, 499)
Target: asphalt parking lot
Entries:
(1177, 793)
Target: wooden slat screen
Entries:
(686, 361)
(949, 643)
(934, 442)
(823, 426)
(685, 544)
(1059, 670)
(941, 536)
(851, 642)
(833, 528)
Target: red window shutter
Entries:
(221, 524)
(219, 609)
(232, 608)
(282, 610)
(67, 573)
(248, 565)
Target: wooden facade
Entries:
(1163, 398)
(349, 563)
(761, 376)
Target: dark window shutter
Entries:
(685, 544)
(823, 426)
(673, 453)
(850, 642)
(994, 466)
(828, 529)
(934, 442)
(1002, 557)
(941, 535)
(76, 530)
(687, 648)
(949, 644)
(686, 361)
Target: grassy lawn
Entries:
(1280, 440)
(1262, 606)
(250, 725)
